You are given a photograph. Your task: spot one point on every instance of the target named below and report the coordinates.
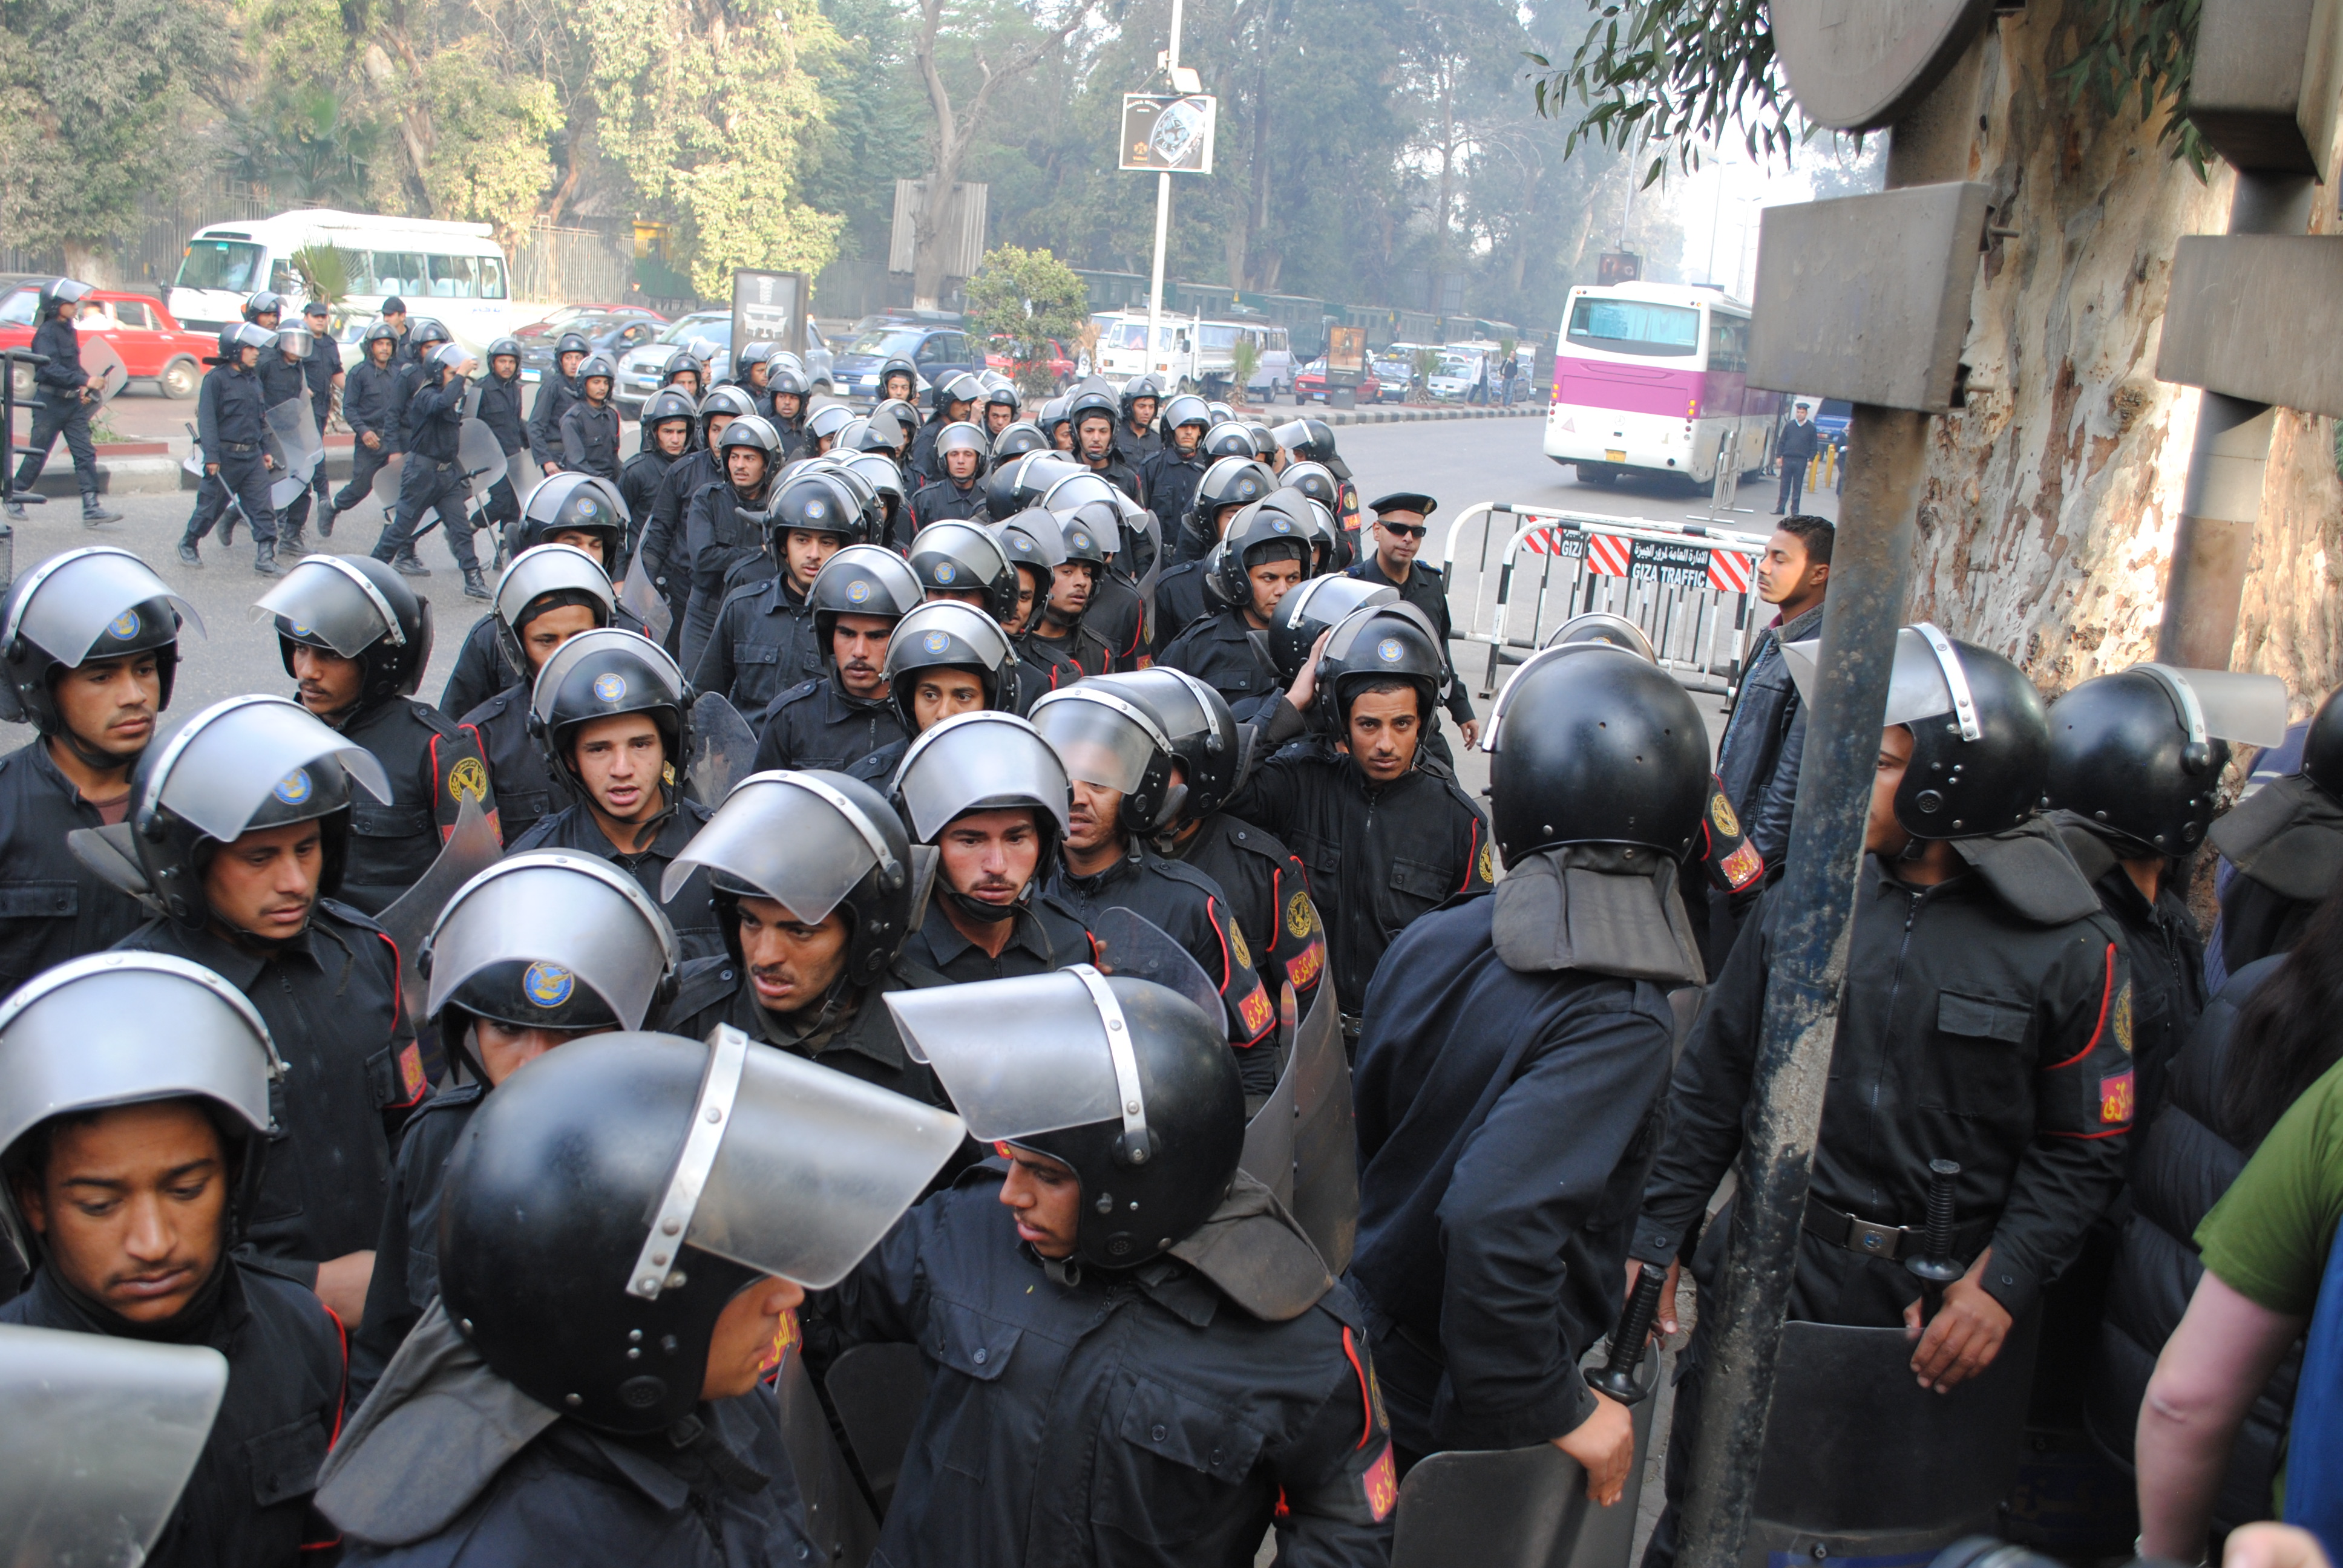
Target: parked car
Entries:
(1309, 386)
(610, 335)
(1061, 363)
(1393, 372)
(568, 315)
(934, 351)
(152, 345)
(639, 367)
(1457, 376)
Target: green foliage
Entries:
(1244, 358)
(324, 271)
(2141, 49)
(299, 139)
(1026, 297)
(1425, 366)
(488, 161)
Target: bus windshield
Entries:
(1635, 327)
(232, 265)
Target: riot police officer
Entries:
(612, 712)
(1035, 543)
(961, 451)
(589, 427)
(943, 660)
(966, 562)
(1002, 407)
(724, 527)
(374, 409)
(574, 510)
(1313, 441)
(500, 411)
(1169, 475)
(65, 392)
(1116, 611)
(1399, 534)
(1073, 581)
(763, 643)
(587, 1389)
(1136, 437)
(355, 639)
(555, 391)
(1127, 783)
(1093, 416)
(1266, 556)
(812, 878)
(667, 554)
(533, 952)
(433, 477)
(232, 420)
(2285, 847)
(548, 595)
(89, 650)
(1986, 1024)
(668, 422)
(1385, 831)
(950, 401)
(843, 715)
(1489, 1250)
(1227, 488)
(1127, 1339)
(242, 834)
(148, 1080)
(785, 392)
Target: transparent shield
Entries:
(778, 833)
(387, 479)
(523, 472)
(1136, 948)
(814, 1168)
(2250, 709)
(482, 456)
(471, 849)
(326, 598)
(972, 761)
(641, 598)
(723, 748)
(224, 761)
(1268, 1155)
(101, 1436)
(79, 596)
(573, 912)
(1326, 1136)
(1101, 740)
(292, 440)
(1019, 1057)
(549, 568)
(98, 359)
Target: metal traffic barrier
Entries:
(1515, 574)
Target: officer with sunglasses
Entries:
(1398, 535)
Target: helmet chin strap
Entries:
(991, 914)
(1057, 618)
(90, 757)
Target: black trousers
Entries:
(246, 478)
(428, 487)
(364, 464)
(1794, 485)
(53, 418)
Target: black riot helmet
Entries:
(751, 432)
(1256, 536)
(575, 503)
(1313, 522)
(864, 438)
(1105, 739)
(1002, 393)
(813, 502)
(987, 762)
(825, 422)
(1014, 485)
(1314, 608)
(812, 842)
(2322, 747)
(448, 359)
(264, 303)
(74, 610)
(1311, 441)
(597, 367)
(1052, 415)
(1264, 444)
(1594, 743)
(424, 334)
(897, 365)
(247, 763)
(503, 349)
(1089, 537)
(1016, 441)
(945, 635)
(1186, 408)
(1601, 626)
(1035, 541)
(878, 471)
(550, 939)
(683, 361)
(611, 1198)
(1313, 480)
(1229, 439)
(958, 387)
(380, 332)
(2138, 755)
(1130, 1084)
(1079, 489)
(67, 291)
(602, 674)
(239, 336)
(353, 607)
(667, 405)
(861, 579)
(729, 402)
(1229, 482)
(753, 359)
(1196, 720)
(1139, 387)
(1379, 642)
(569, 343)
(782, 377)
(953, 557)
(547, 577)
(1095, 400)
(960, 435)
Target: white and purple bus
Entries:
(1650, 377)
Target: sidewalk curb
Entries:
(1401, 414)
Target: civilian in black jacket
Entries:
(434, 479)
(66, 394)
(371, 407)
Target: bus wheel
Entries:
(1602, 474)
(179, 379)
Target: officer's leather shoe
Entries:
(475, 585)
(407, 565)
(15, 511)
(288, 545)
(226, 529)
(187, 556)
(94, 512)
(326, 516)
(264, 559)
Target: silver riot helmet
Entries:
(356, 607)
(1600, 626)
(945, 635)
(551, 940)
(1313, 609)
(573, 503)
(962, 436)
(1127, 1082)
(239, 766)
(116, 1029)
(810, 843)
(602, 675)
(954, 557)
(74, 610)
(985, 762)
(548, 578)
(609, 1199)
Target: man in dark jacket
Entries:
(2284, 848)
(589, 427)
(1399, 533)
(373, 407)
(1766, 734)
(666, 538)
(956, 497)
(174, 1136)
(232, 419)
(555, 391)
(837, 719)
(65, 394)
(1794, 450)
(433, 478)
(500, 411)
(1095, 444)
(667, 429)
(1267, 558)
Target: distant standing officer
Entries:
(434, 477)
(1794, 448)
(67, 393)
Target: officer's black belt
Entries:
(241, 449)
(1874, 1240)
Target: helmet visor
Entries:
(1101, 739)
(550, 569)
(797, 840)
(324, 599)
(2250, 709)
(69, 603)
(574, 920)
(1916, 687)
(976, 762)
(1019, 1057)
(227, 761)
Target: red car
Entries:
(1309, 386)
(152, 345)
(1062, 366)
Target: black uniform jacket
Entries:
(1269, 897)
(666, 553)
(435, 418)
(370, 405)
(1041, 667)
(352, 1073)
(1986, 1020)
(1180, 602)
(2167, 960)
(231, 411)
(639, 484)
(1427, 589)
(1220, 651)
(1086, 650)
(247, 1502)
(434, 766)
(500, 412)
(59, 381)
(725, 553)
(1118, 617)
(406, 1253)
(762, 645)
(483, 669)
(1118, 473)
(817, 723)
(1045, 936)
(1171, 481)
(52, 907)
(555, 394)
(1379, 856)
(691, 912)
(948, 500)
(851, 1032)
(1490, 1250)
(1127, 1417)
(527, 787)
(1190, 909)
(590, 440)
(2286, 842)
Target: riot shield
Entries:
(1132, 945)
(470, 850)
(102, 1434)
(844, 1530)
(109, 854)
(1325, 1135)
(482, 456)
(524, 474)
(99, 359)
(878, 1392)
(638, 596)
(1519, 1507)
(1268, 1156)
(293, 441)
(387, 480)
(1147, 572)
(1862, 1462)
(723, 748)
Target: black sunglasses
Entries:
(1407, 530)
